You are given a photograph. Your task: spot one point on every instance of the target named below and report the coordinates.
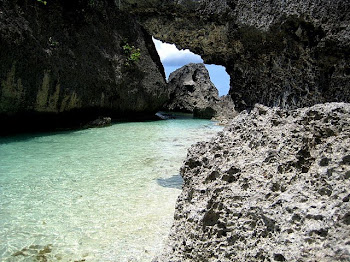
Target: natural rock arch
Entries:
(279, 53)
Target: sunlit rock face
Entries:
(279, 53)
(68, 62)
(273, 186)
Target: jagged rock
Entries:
(192, 91)
(273, 186)
(279, 53)
(69, 61)
(190, 87)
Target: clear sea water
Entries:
(104, 194)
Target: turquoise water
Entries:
(103, 194)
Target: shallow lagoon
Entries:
(104, 194)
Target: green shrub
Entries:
(42, 1)
(133, 53)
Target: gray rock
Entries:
(192, 91)
(190, 87)
(225, 110)
(273, 186)
(164, 116)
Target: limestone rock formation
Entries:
(191, 91)
(273, 186)
(278, 53)
(190, 87)
(68, 61)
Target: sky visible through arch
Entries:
(172, 59)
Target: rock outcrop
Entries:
(278, 53)
(191, 91)
(189, 88)
(273, 186)
(66, 62)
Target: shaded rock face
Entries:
(273, 186)
(190, 87)
(278, 53)
(190, 90)
(225, 110)
(68, 61)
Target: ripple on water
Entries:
(93, 195)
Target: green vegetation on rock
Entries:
(42, 1)
(132, 52)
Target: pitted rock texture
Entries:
(225, 110)
(190, 87)
(273, 186)
(289, 54)
(68, 61)
(191, 91)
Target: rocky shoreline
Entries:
(273, 186)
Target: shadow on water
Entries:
(19, 136)
(175, 181)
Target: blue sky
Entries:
(172, 59)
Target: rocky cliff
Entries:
(66, 62)
(278, 53)
(273, 186)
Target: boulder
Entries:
(192, 91)
(225, 110)
(189, 88)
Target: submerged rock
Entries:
(164, 116)
(100, 122)
(273, 186)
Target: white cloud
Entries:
(171, 56)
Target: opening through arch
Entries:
(173, 58)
